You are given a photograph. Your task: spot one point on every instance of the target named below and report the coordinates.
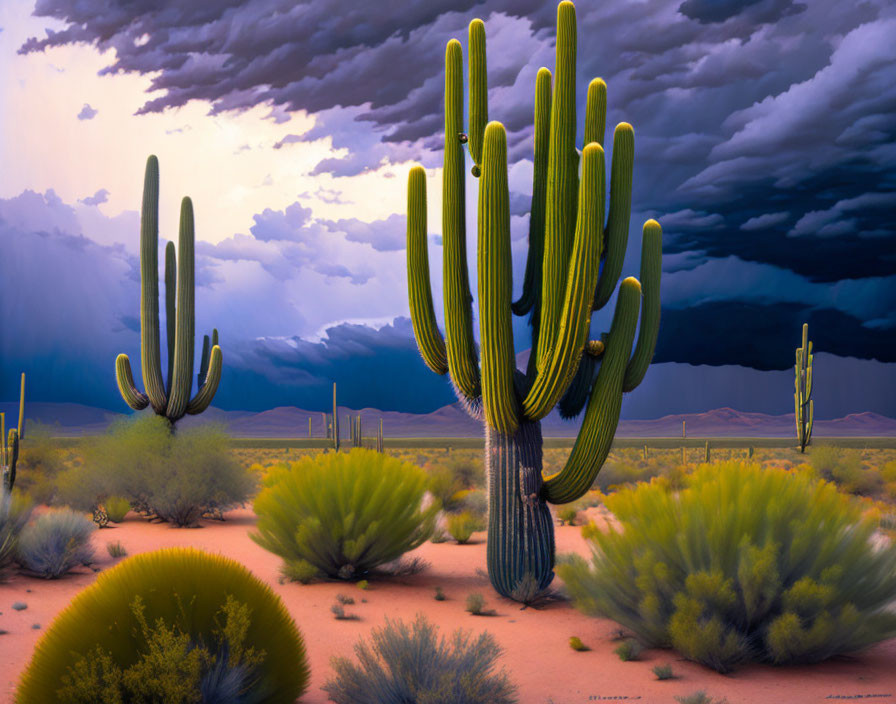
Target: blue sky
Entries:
(764, 145)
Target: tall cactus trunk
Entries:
(521, 531)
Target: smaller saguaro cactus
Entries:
(310, 434)
(804, 406)
(335, 421)
(9, 443)
(170, 398)
(684, 431)
(706, 456)
(379, 438)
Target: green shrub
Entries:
(567, 516)
(298, 571)
(744, 564)
(413, 664)
(461, 526)
(175, 476)
(445, 487)
(845, 468)
(54, 544)
(698, 697)
(440, 595)
(117, 508)
(14, 514)
(628, 649)
(576, 644)
(116, 549)
(345, 513)
(175, 625)
(476, 605)
(663, 672)
(40, 461)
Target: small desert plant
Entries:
(445, 487)
(628, 649)
(476, 605)
(745, 563)
(663, 672)
(567, 516)
(362, 584)
(345, 599)
(698, 697)
(440, 595)
(462, 525)
(175, 625)
(116, 549)
(413, 664)
(298, 571)
(338, 611)
(345, 513)
(576, 644)
(55, 543)
(117, 508)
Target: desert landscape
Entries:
(405, 373)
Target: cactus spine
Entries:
(170, 399)
(570, 237)
(804, 406)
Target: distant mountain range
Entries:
(70, 419)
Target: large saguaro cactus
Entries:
(575, 258)
(170, 399)
(804, 406)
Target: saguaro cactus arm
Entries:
(619, 213)
(182, 382)
(602, 414)
(459, 342)
(495, 285)
(206, 393)
(478, 90)
(135, 398)
(651, 271)
(170, 308)
(423, 317)
(535, 256)
(562, 180)
(150, 355)
(21, 426)
(562, 358)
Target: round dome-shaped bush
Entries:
(177, 624)
(344, 514)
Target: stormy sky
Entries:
(764, 146)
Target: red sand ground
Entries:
(537, 653)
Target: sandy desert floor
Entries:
(535, 641)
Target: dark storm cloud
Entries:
(364, 363)
(764, 128)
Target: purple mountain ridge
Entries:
(68, 419)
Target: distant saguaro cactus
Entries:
(170, 399)
(9, 443)
(335, 421)
(804, 406)
(573, 266)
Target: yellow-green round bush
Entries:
(744, 563)
(169, 625)
(345, 513)
(117, 508)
